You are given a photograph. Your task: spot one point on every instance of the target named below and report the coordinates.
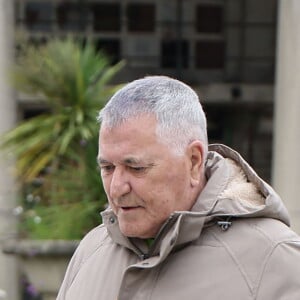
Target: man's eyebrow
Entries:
(132, 161)
(136, 161)
(101, 160)
(126, 161)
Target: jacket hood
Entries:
(234, 189)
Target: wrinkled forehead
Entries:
(135, 129)
(135, 140)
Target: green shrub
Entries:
(55, 152)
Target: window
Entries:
(38, 16)
(141, 17)
(71, 16)
(209, 19)
(209, 54)
(107, 16)
(174, 54)
(111, 47)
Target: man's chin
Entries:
(134, 231)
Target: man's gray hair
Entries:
(176, 106)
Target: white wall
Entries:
(8, 265)
(286, 164)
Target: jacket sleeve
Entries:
(70, 274)
(281, 274)
(86, 247)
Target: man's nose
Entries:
(119, 185)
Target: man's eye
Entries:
(107, 168)
(138, 169)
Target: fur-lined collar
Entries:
(234, 189)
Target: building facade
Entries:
(225, 49)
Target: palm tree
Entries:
(55, 152)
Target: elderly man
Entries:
(185, 220)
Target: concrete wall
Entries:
(8, 264)
(286, 166)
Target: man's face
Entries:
(143, 179)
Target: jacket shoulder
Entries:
(93, 240)
(259, 245)
(265, 233)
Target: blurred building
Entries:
(225, 49)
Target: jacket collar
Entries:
(180, 229)
(261, 201)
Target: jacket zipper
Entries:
(170, 222)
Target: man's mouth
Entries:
(129, 208)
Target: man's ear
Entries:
(195, 152)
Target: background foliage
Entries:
(55, 152)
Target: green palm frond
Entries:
(73, 80)
(59, 147)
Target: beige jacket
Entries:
(235, 244)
